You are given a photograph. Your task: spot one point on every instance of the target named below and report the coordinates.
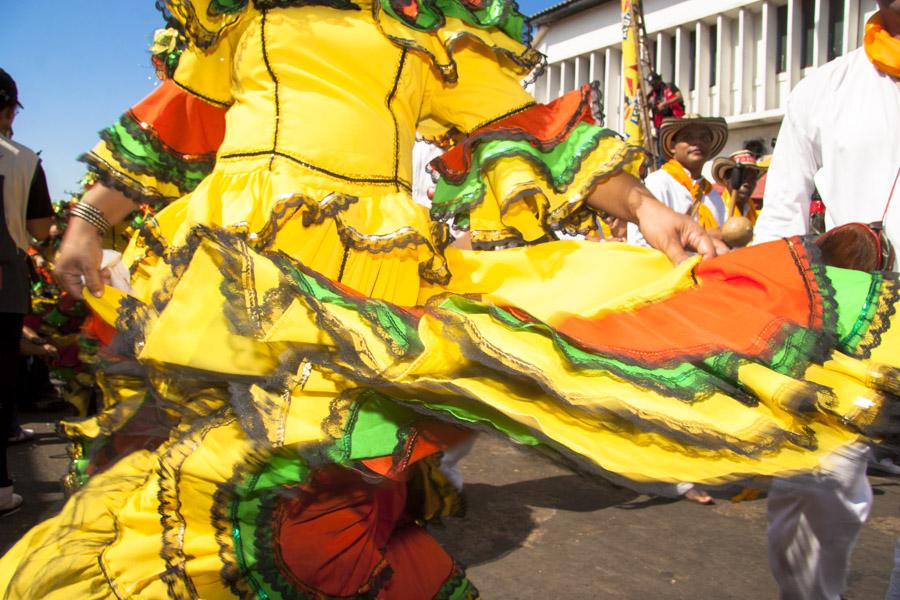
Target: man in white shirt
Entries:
(688, 143)
(839, 135)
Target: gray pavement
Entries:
(536, 531)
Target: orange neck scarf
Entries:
(882, 48)
(698, 190)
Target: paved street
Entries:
(535, 531)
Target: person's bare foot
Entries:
(698, 496)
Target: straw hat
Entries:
(721, 167)
(670, 126)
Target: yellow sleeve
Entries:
(524, 169)
(483, 92)
(212, 33)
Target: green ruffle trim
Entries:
(420, 15)
(457, 587)
(427, 15)
(226, 7)
(140, 151)
(558, 166)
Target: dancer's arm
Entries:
(525, 170)
(624, 196)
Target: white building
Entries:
(737, 59)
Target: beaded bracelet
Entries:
(92, 215)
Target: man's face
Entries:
(7, 116)
(748, 182)
(691, 145)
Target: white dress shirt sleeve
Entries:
(790, 181)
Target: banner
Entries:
(631, 78)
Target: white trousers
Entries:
(814, 520)
(893, 592)
(450, 461)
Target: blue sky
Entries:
(78, 65)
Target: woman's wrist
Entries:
(112, 205)
(91, 215)
(79, 227)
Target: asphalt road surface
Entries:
(536, 531)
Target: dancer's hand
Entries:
(675, 234)
(81, 251)
(79, 257)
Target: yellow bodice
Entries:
(347, 110)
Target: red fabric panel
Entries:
(330, 537)
(419, 564)
(341, 533)
(763, 288)
(95, 327)
(182, 121)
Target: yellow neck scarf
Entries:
(882, 48)
(698, 189)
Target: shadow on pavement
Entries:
(37, 466)
(500, 518)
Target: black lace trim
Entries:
(881, 320)
(168, 473)
(148, 135)
(572, 217)
(525, 61)
(597, 103)
(204, 38)
(122, 182)
(822, 301)
(513, 134)
(492, 120)
(173, 164)
(150, 237)
(222, 522)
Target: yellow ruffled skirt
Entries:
(282, 327)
